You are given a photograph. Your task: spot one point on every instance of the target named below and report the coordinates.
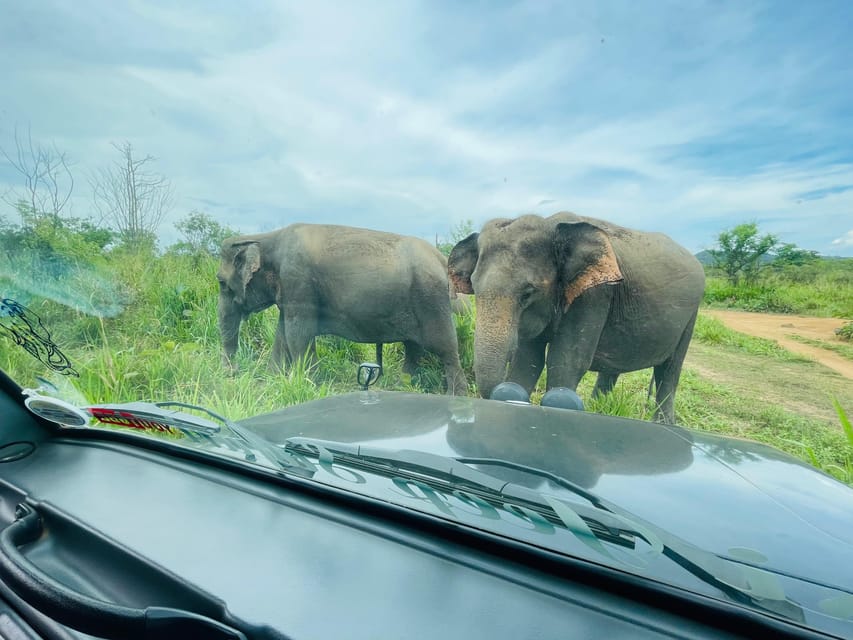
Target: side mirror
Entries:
(368, 374)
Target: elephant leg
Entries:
(299, 335)
(379, 346)
(280, 355)
(528, 363)
(575, 342)
(439, 337)
(604, 383)
(414, 353)
(667, 375)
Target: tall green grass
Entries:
(824, 288)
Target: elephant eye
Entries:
(527, 292)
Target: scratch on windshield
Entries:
(27, 330)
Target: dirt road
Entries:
(781, 327)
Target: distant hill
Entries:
(705, 258)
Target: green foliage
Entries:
(739, 251)
(845, 421)
(61, 262)
(843, 468)
(823, 288)
(53, 237)
(750, 297)
(202, 235)
(789, 254)
(460, 231)
(465, 324)
(845, 332)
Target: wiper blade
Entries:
(582, 520)
(603, 521)
(553, 477)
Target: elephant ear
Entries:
(585, 259)
(247, 261)
(462, 262)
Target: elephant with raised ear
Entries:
(582, 295)
(362, 285)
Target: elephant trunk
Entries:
(230, 317)
(495, 341)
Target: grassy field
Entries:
(822, 288)
(842, 349)
(159, 340)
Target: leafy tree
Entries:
(789, 254)
(460, 231)
(55, 257)
(201, 235)
(53, 237)
(739, 251)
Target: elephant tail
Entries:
(651, 384)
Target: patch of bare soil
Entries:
(780, 328)
(803, 388)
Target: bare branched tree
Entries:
(48, 181)
(131, 197)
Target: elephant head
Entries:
(525, 273)
(243, 289)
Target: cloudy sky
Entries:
(684, 117)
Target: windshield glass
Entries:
(641, 211)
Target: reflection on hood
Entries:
(566, 443)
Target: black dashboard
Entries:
(229, 553)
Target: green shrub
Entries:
(822, 288)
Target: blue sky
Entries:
(684, 117)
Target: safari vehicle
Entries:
(380, 514)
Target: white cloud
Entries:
(410, 117)
(844, 241)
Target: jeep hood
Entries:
(734, 498)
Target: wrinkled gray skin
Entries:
(600, 297)
(366, 286)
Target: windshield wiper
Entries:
(534, 471)
(456, 473)
(603, 520)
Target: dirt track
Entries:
(780, 328)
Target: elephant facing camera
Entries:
(574, 294)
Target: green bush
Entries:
(821, 287)
(750, 297)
